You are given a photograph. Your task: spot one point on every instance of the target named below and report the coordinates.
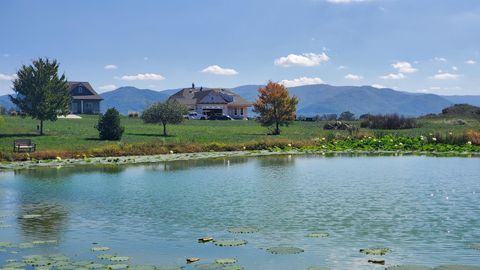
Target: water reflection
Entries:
(42, 221)
(64, 172)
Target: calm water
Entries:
(426, 209)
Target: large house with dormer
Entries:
(212, 101)
(84, 98)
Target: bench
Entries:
(20, 145)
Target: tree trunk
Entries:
(277, 129)
(41, 127)
(165, 129)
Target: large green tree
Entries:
(275, 106)
(40, 92)
(170, 112)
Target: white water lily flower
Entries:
(469, 142)
(171, 151)
(434, 139)
(289, 145)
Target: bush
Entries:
(388, 121)
(109, 125)
(13, 113)
(346, 116)
(473, 137)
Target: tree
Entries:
(108, 125)
(347, 116)
(170, 112)
(40, 92)
(275, 107)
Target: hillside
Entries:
(129, 98)
(322, 99)
(472, 100)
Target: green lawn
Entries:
(80, 134)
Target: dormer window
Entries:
(80, 89)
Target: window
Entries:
(241, 111)
(80, 90)
(235, 111)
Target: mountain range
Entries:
(313, 99)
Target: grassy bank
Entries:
(70, 138)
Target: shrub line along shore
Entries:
(146, 159)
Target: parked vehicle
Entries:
(195, 116)
(220, 117)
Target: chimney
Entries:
(193, 86)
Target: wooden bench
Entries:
(20, 145)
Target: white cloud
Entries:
(346, 1)
(301, 81)
(108, 87)
(6, 77)
(440, 59)
(455, 68)
(393, 76)
(6, 55)
(110, 66)
(379, 86)
(471, 62)
(341, 67)
(305, 59)
(217, 70)
(145, 58)
(445, 76)
(404, 67)
(142, 77)
(353, 77)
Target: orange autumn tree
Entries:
(275, 107)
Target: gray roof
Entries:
(93, 96)
(193, 96)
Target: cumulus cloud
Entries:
(404, 67)
(6, 77)
(142, 77)
(305, 59)
(393, 76)
(301, 81)
(346, 1)
(217, 70)
(353, 77)
(445, 76)
(110, 66)
(379, 86)
(108, 87)
(470, 62)
(440, 59)
(341, 67)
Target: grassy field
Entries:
(77, 135)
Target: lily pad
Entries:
(243, 230)
(230, 243)
(32, 258)
(95, 266)
(285, 250)
(457, 267)
(31, 216)
(100, 248)
(318, 235)
(119, 258)
(82, 263)
(105, 256)
(475, 246)
(45, 242)
(43, 268)
(409, 267)
(168, 268)
(5, 244)
(25, 245)
(142, 267)
(375, 251)
(15, 265)
(233, 267)
(226, 261)
(117, 266)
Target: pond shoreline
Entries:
(145, 159)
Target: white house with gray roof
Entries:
(213, 101)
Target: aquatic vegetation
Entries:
(25, 245)
(377, 261)
(226, 261)
(142, 267)
(375, 251)
(105, 256)
(119, 258)
(475, 246)
(95, 266)
(230, 243)
(116, 266)
(205, 239)
(233, 267)
(285, 250)
(408, 267)
(100, 248)
(45, 242)
(5, 244)
(317, 235)
(192, 260)
(242, 230)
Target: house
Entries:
(84, 99)
(212, 101)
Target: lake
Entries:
(425, 209)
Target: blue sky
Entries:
(411, 45)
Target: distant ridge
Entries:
(313, 99)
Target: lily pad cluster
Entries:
(242, 230)
(230, 243)
(318, 235)
(375, 251)
(285, 250)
